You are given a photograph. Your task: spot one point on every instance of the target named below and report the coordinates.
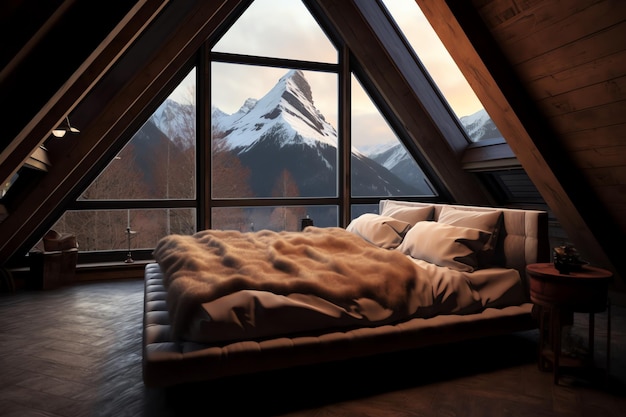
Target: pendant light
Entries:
(60, 131)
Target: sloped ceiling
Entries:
(551, 75)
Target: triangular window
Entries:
(158, 163)
(377, 150)
(277, 64)
(159, 160)
(278, 29)
(275, 127)
(443, 70)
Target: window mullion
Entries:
(344, 143)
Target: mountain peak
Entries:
(287, 112)
(480, 126)
(295, 82)
(247, 105)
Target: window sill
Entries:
(110, 270)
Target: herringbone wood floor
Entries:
(76, 351)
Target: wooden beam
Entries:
(397, 83)
(55, 94)
(112, 107)
(528, 134)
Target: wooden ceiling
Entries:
(552, 76)
(550, 73)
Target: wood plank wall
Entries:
(571, 56)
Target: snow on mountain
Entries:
(388, 155)
(223, 122)
(284, 131)
(398, 161)
(286, 112)
(375, 149)
(479, 126)
(177, 121)
(284, 126)
(169, 116)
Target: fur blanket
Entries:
(331, 263)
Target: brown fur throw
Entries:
(328, 262)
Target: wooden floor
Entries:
(76, 351)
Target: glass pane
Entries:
(443, 70)
(358, 209)
(101, 230)
(381, 165)
(247, 219)
(279, 29)
(273, 132)
(159, 162)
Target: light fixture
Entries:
(60, 131)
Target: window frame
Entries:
(204, 202)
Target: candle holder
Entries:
(304, 223)
(129, 256)
(566, 259)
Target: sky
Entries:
(285, 29)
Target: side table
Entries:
(582, 291)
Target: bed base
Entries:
(167, 362)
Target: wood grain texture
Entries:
(556, 95)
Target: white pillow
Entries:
(487, 221)
(382, 231)
(442, 244)
(409, 214)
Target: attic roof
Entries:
(130, 53)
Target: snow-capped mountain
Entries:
(177, 121)
(479, 126)
(222, 122)
(286, 112)
(284, 130)
(393, 156)
(398, 161)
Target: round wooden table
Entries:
(557, 295)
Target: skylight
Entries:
(442, 68)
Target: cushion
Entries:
(408, 214)
(383, 231)
(487, 221)
(442, 244)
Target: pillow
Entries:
(409, 214)
(442, 244)
(382, 231)
(487, 221)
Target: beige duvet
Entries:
(225, 286)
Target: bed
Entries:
(224, 303)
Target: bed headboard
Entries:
(523, 237)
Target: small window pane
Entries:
(357, 210)
(277, 218)
(279, 139)
(279, 29)
(103, 230)
(159, 162)
(382, 167)
(443, 70)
